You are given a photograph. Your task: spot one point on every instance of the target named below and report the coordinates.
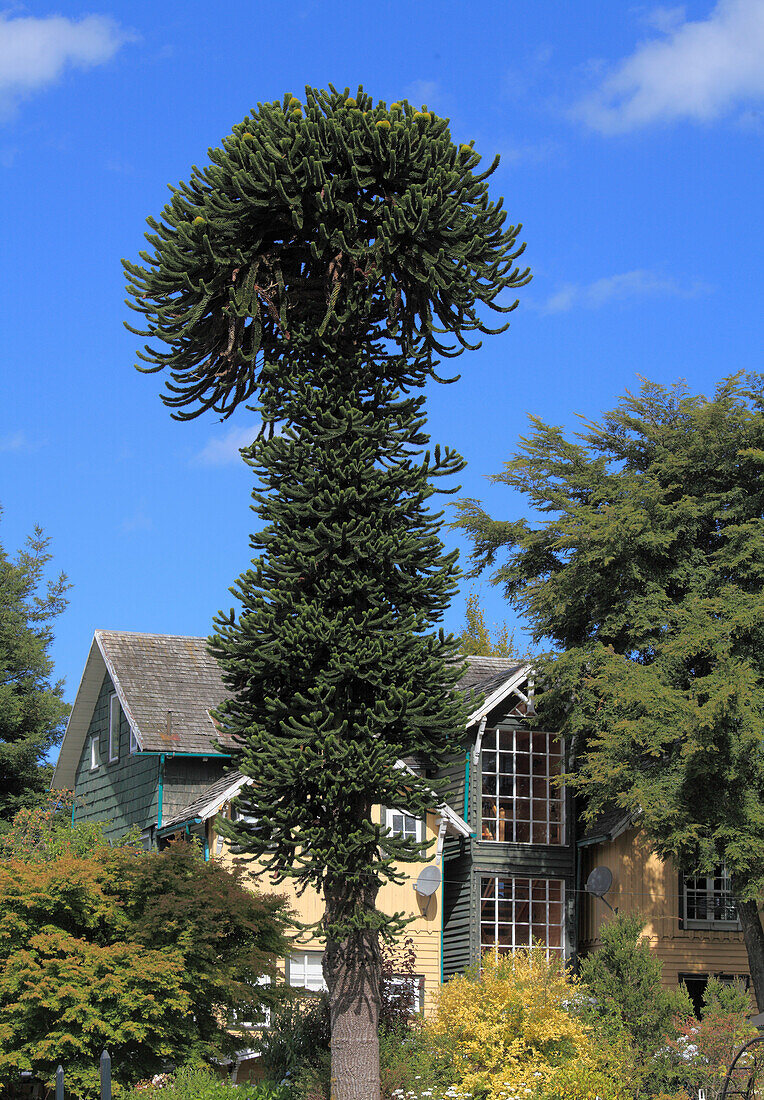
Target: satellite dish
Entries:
(428, 881)
(599, 881)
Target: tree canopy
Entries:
(144, 953)
(643, 566)
(32, 709)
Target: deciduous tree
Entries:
(144, 953)
(645, 570)
(330, 252)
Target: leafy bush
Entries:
(199, 1083)
(625, 981)
(297, 1040)
(703, 1050)
(409, 1061)
(512, 1029)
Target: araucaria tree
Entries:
(645, 571)
(32, 709)
(323, 261)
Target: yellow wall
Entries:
(644, 883)
(424, 930)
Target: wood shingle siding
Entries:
(121, 794)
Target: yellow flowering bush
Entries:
(513, 1033)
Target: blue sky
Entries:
(630, 138)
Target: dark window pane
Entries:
(540, 742)
(555, 889)
(522, 832)
(488, 831)
(539, 832)
(489, 762)
(522, 741)
(523, 786)
(506, 786)
(539, 765)
(506, 763)
(523, 764)
(506, 739)
(540, 788)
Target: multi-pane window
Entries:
(708, 899)
(521, 803)
(405, 825)
(521, 913)
(305, 970)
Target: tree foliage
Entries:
(476, 638)
(644, 569)
(513, 1029)
(143, 953)
(32, 710)
(331, 250)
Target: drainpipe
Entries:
(160, 791)
(466, 786)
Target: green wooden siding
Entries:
(121, 794)
(185, 779)
(457, 885)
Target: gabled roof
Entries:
(167, 685)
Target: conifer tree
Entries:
(323, 261)
(32, 709)
(645, 573)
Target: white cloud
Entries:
(423, 92)
(17, 441)
(699, 70)
(224, 450)
(618, 288)
(35, 51)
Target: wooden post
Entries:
(60, 1083)
(105, 1075)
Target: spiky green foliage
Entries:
(315, 265)
(32, 710)
(645, 570)
(333, 674)
(333, 212)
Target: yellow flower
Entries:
(198, 221)
(383, 124)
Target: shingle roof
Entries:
(169, 684)
(610, 824)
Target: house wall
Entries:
(645, 884)
(185, 779)
(424, 929)
(120, 794)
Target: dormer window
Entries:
(521, 803)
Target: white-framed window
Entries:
(521, 913)
(134, 746)
(114, 716)
(411, 986)
(404, 825)
(520, 802)
(305, 970)
(708, 900)
(95, 757)
(263, 1017)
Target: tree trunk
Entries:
(352, 969)
(753, 934)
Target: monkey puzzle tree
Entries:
(320, 265)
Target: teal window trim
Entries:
(160, 793)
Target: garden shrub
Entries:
(200, 1083)
(297, 1042)
(513, 1029)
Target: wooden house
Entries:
(141, 751)
(691, 922)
